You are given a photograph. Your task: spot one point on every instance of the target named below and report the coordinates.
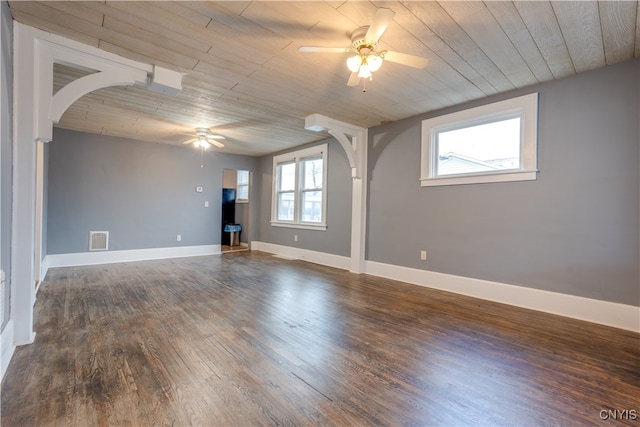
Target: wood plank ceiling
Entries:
(245, 78)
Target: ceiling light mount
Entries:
(202, 132)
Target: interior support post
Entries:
(35, 110)
(354, 141)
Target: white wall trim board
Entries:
(44, 269)
(603, 312)
(6, 347)
(289, 252)
(110, 257)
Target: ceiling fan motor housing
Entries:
(359, 43)
(202, 132)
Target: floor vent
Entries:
(98, 240)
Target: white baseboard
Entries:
(621, 316)
(603, 312)
(6, 347)
(288, 252)
(109, 257)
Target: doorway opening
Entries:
(234, 227)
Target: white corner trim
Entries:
(289, 252)
(110, 257)
(603, 312)
(44, 269)
(6, 347)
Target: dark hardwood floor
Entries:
(249, 339)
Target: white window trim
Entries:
(248, 185)
(525, 107)
(297, 156)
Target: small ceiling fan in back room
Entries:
(203, 140)
(368, 59)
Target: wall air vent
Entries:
(98, 240)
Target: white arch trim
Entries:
(35, 111)
(354, 141)
(74, 90)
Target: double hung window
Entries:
(299, 193)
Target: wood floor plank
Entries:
(249, 339)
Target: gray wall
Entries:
(574, 230)
(6, 127)
(142, 193)
(337, 238)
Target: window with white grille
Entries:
(299, 189)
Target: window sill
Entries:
(318, 227)
(479, 179)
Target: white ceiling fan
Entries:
(205, 139)
(368, 58)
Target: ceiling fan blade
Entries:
(216, 143)
(353, 79)
(406, 59)
(215, 136)
(320, 49)
(190, 141)
(380, 23)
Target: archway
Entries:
(36, 110)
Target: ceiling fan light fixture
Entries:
(375, 62)
(201, 142)
(353, 63)
(365, 71)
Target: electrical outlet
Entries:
(295, 237)
(179, 238)
(206, 204)
(423, 255)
